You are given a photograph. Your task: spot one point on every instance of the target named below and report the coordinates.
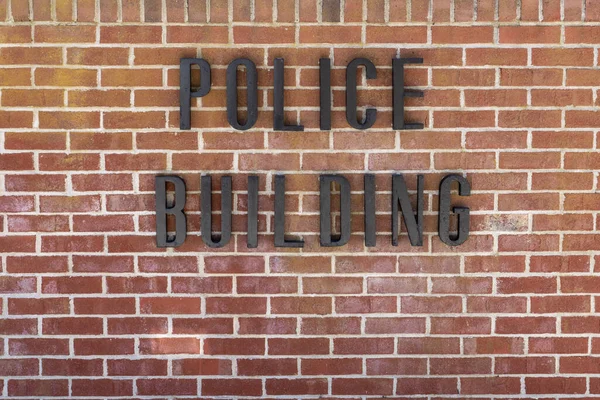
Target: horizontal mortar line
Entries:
(324, 23)
(399, 45)
(313, 253)
(440, 108)
(309, 130)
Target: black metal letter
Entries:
(251, 94)
(252, 238)
(399, 93)
(278, 117)
(280, 240)
(325, 205)
(400, 195)
(206, 212)
(325, 93)
(369, 200)
(351, 115)
(176, 209)
(185, 87)
(464, 189)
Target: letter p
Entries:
(185, 88)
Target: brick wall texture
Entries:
(89, 115)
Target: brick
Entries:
(172, 305)
(21, 306)
(35, 388)
(61, 162)
(250, 34)
(197, 34)
(105, 306)
(559, 263)
(463, 10)
(69, 120)
(46, 183)
(86, 10)
(19, 367)
(130, 34)
(541, 385)
(530, 11)
(197, 10)
(98, 264)
(530, 119)
(38, 264)
(16, 162)
(562, 304)
(495, 56)
(553, 57)
(441, 10)
(19, 244)
(460, 325)
(433, 305)
(530, 34)
(412, 386)
(64, 10)
(64, 34)
(573, 10)
(296, 386)
(463, 366)
(42, 10)
(497, 140)
(385, 366)
(208, 325)
(136, 325)
(103, 346)
(531, 77)
(15, 34)
(65, 77)
(97, 56)
(525, 325)
(456, 34)
(495, 98)
(83, 244)
(496, 385)
(581, 119)
(99, 98)
(38, 346)
(204, 366)
(16, 119)
(293, 346)
(134, 120)
(564, 181)
(20, 11)
(180, 345)
(560, 98)
(31, 98)
(103, 387)
(72, 326)
(57, 285)
(239, 305)
(494, 345)
(142, 367)
(232, 387)
(15, 326)
(371, 386)
(386, 34)
(468, 119)
(363, 346)
(489, 304)
(329, 34)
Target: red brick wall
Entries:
(89, 115)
